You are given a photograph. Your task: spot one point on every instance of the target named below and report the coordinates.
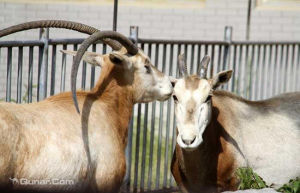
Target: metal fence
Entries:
(261, 70)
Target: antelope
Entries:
(218, 132)
(50, 140)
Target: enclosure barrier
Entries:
(261, 70)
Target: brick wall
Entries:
(197, 23)
(206, 23)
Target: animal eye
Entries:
(148, 69)
(208, 98)
(175, 99)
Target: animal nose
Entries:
(189, 141)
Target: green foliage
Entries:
(249, 179)
(292, 187)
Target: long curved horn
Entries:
(130, 47)
(182, 66)
(58, 24)
(202, 70)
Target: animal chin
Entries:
(165, 97)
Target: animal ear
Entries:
(120, 59)
(89, 57)
(221, 78)
(116, 58)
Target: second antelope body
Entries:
(219, 132)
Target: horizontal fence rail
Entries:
(261, 70)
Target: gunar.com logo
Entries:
(55, 181)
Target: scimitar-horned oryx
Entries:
(218, 132)
(50, 140)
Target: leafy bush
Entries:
(292, 187)
(249, 179)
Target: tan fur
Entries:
(49, 139)
(240, 133)
(210, 167)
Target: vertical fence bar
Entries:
(198, 58)
(145, 131)
(192, 59)
(39, 69)
(93, 70)
(257, 73)
(185, 51)
(228, 39)
(298, 69)
(293, 69)
(276, 81)
(8, 74)
(20, 70)
(269, 76)
(281, 69)
(289, 68)
(53, 70)
(286, 68)
(169, 117)
(43, 70)
(167, 141)
(30, 74)
(251, 62)
(246, 75)
(212, 60)
(234, 69)
(63, 70)
(251, 85)
(161, 115)
(115, 16)
(152, 130)
(174, 118)
(159, 126)
(262, 78)
(145, 137)
(137, 148)
(239, 80)
(128, 150)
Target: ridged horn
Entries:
(130, 47)
(58, 24)
(182, 66)
(202, 70)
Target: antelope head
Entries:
(130, 66)
(193, 102)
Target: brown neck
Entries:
(199, 166)
(117, 96)
(212, 163)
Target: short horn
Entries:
(182, 66)
(58, 24)
(131, 49)
(202, 70)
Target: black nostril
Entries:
(188, 141)
(173, 84)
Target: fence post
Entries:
(133, 36)
(43, 70)
(228, 39)
(226, 56)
